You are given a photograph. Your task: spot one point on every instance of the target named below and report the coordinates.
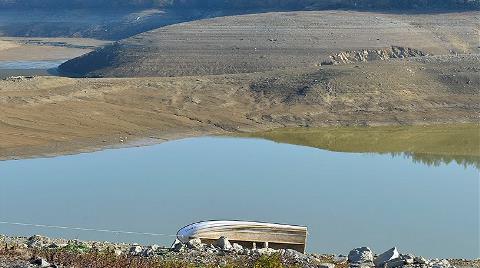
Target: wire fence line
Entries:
(84, 229)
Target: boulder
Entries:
(118, 252)
(386, 256)
(38, 241)
(360, 255)
(408, 259)
(224, 244)
(237, 248)
(136, 250)
(420, 260)
(326, 265)
(195, 243)
(41, 262)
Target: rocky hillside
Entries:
(270, 41)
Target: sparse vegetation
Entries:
(272, 261)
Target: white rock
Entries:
(363, 254)
(41, 262)
(237, 247)
(135, 250)
(224, 244)
(195, 243)
(154, 247)
(388, 255)
(118, 252)
(326, 265)
(421, 260)
(265, 251)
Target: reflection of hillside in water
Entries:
(429, 145)
(438, 160)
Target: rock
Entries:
(237, 248)
(326, 265)
(440, 264)
(420, 260)
(38, 241)
(136, 250)
(224, 244)
(293, 254)
(340, 259)
(179, 247)
(265, 251)
(154, 247)
(118, 252)
(41, 262)
(388, 255)
(408, 259)
(360, 255)
(247, 251)
(195, 243)
(176, 244)
(393, 263)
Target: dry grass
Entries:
(69, 257)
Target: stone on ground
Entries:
(387, 256)
(360, 255)
(195, 243)
(223, 244)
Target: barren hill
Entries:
(270, 41)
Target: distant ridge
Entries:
(246, 4)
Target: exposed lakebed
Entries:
(346, 199)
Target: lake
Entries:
(26, 68)
(346, 199)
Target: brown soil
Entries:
(52, 115)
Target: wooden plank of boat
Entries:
(246, 233)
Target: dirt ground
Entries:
(54, 115)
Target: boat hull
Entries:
(247, 234)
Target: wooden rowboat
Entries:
(248, 234)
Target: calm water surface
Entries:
(27, 65)
(346, 199)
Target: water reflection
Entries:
(429, 145)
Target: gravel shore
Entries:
(39, 251)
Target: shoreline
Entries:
(94, 146)
(38, 251)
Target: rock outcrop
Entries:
(366, 55)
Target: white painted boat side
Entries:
(238, 227)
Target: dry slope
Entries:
(51, 115)
(271, 41)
